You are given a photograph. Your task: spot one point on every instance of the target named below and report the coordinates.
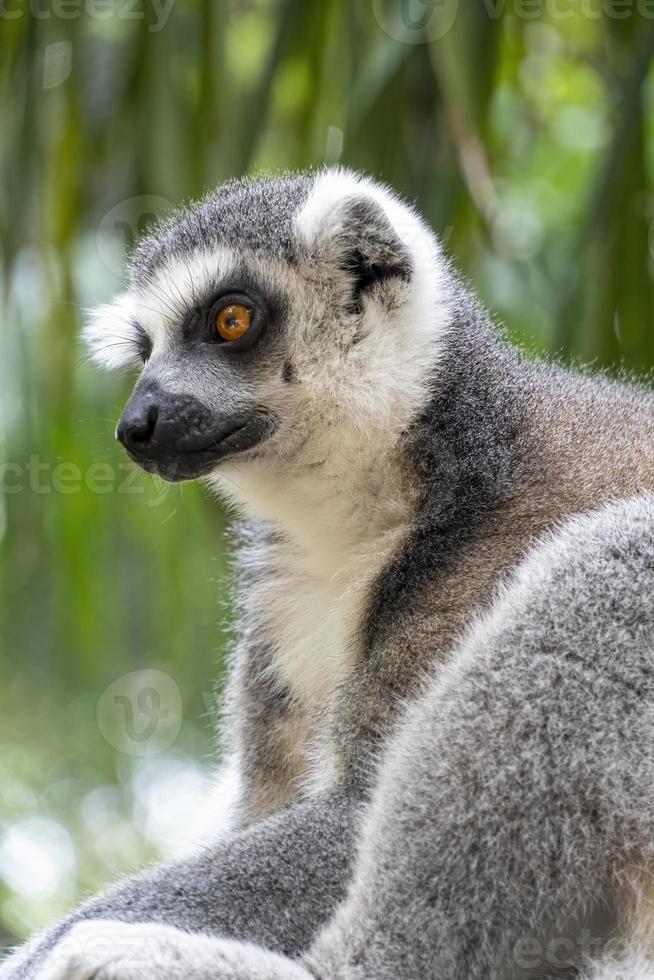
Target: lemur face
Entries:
(272, 318)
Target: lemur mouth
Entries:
(176, 462)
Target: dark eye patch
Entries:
(142, 341)
(244, 287)
(191, 321)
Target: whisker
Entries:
(125, 344)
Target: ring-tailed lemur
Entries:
(441, 705)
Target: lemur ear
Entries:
(361, 241)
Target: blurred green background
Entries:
(522, 129)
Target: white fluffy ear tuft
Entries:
(351, 223)
(334, 193)
(113, 335)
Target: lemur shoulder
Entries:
(308, 350)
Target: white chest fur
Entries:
(310, 622)
(313, 583)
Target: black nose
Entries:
(137, 426)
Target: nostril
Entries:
(142, 433)
(138, 429)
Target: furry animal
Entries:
(440, 711)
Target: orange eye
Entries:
(233, 321)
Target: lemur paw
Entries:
(110, 950)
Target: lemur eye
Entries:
(233, 321)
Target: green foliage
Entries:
(525, 135)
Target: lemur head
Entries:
(277, 322)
